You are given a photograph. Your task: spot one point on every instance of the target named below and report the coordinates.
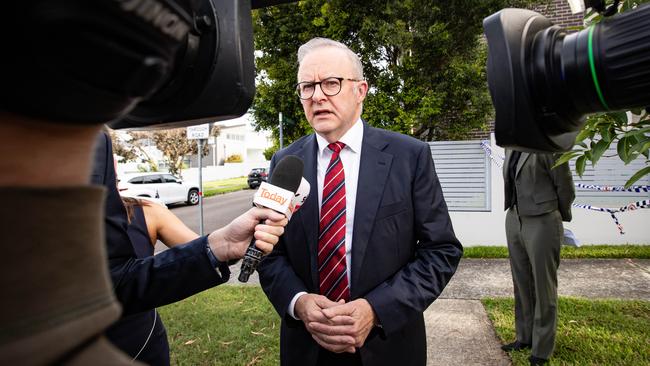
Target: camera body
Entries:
(214, 73)
(128, 63)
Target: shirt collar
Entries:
(352, 138)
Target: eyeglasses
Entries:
(329, 86)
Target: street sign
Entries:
(198, 132)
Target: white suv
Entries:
(163, 186)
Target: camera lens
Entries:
(604, 67)
(543, 80)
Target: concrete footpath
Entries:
(458, 329)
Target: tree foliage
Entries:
(129, 146)
(424, 61)
(234, 158)
(631, 136)
(125, 152)
(173, 144)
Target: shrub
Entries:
(234, 158)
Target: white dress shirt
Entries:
(350, 158)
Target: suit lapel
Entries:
(506, 164)
(309, 211)
(522, 159)
(374, 167)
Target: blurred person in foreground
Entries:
(538, 198)
(71, 66)
(374, 246)
(58, 298)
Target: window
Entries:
(153, 179)
(136, 180)
(236, 137)
(168, 178)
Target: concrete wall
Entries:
(590, 227)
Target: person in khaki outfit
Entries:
(538, 198)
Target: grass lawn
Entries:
(224, 186)
(227, 325)
(236, 325)
(590, 332)
(587, 251)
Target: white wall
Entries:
(590, 227)
(226, 171)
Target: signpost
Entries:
(199, 133)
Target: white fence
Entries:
(222, 171)
(473, 189)
(463, 170)
(486, 227)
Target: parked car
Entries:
(257, 176)
(163, 186)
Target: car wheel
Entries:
(193, 197)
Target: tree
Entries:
(631, 136)
(424, 61)
(130, 145)
(269, 151)
(126, 152)
(173, 144)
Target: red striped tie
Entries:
(332, 271)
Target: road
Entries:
(217, 212)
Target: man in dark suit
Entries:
(538, 198)
(373, 246)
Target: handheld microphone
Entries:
(277, 195)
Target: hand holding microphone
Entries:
(285, 192)
(230, 242)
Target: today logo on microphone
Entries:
(275, 198)
(272, 196)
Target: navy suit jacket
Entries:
(146, 283)
(404, 250)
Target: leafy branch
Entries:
(601, 130)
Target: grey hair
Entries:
(320, 42)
